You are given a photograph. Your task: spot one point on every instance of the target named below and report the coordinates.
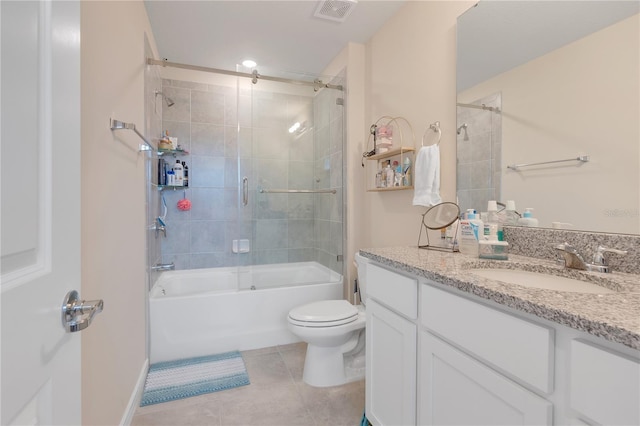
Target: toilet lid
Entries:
(324, 313)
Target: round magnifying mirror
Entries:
(441, 215)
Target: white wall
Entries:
(411, 72)
(113, 205)
(581, 99)
(407, 69)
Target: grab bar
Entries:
(297, 191)
(582, 158)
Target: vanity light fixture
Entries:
(249, 63)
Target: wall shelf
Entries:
(398, 153)
(391, 153)
(393, 188)
(173, 152)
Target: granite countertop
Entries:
(612, 316)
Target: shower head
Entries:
(167, 99)
(459, 129)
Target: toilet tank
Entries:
(361, 264)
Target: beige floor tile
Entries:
(257, 352)
(336, 405)
(276, 404)
(267, 369)
(299, 346)
(294, 360)
(199, 414)
(276, 396)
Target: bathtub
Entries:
(207, 311)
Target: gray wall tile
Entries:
(280, 227)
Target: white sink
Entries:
(540, 280)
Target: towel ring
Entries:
(436, 128)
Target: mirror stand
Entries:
(439, 217)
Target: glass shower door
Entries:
(290, 142)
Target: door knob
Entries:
(78, 314)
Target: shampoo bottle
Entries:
(527, 218)
(178, 170)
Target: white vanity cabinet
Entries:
(440, 356)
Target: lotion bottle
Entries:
(471, 230)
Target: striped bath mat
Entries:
(171, 380)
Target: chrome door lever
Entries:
(78, 314)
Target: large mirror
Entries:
(548, 98)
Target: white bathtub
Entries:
(207, 311)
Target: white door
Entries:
(40, 222)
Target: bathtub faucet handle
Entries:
(160, 226)
(163, 267)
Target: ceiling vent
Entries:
(335, 10)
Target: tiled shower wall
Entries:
(233, 133)
(479, 158)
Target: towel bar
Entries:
(582, 158)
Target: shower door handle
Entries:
(245, 191)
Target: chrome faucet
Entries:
(574, 260)
(159, 226)
(163, 267)
(600, 260)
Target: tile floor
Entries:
(276, 396)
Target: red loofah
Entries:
(184, 205)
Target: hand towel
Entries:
(426, 176)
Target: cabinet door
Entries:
(604, 385)
(456, 389)
(391, 367)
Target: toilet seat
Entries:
(325, 313)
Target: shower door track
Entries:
(254, 76)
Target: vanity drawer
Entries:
(508, 343)
(396, 291)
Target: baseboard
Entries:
(136, 396)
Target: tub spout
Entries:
(163, 267)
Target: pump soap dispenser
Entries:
(527, 218)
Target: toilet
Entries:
(335, 334)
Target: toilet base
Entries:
(331, 366)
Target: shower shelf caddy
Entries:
(174, 153)
(398, 153)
